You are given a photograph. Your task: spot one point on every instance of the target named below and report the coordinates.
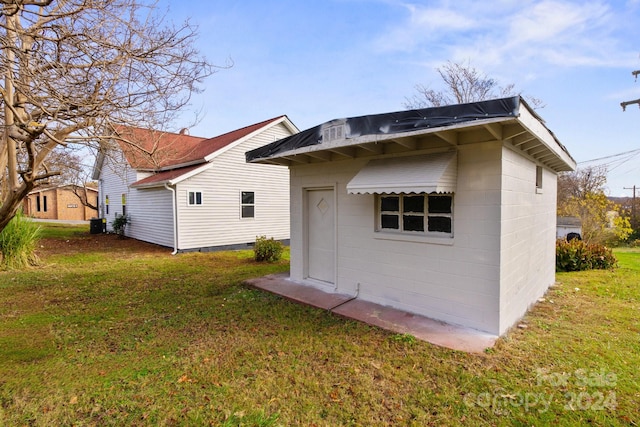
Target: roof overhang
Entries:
(171, 177)
(522, 130)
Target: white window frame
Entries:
(243, 205)
(401, 214)
(539, 179)
(195, 193)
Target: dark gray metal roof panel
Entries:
(394, 123)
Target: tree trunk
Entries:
(12, 202)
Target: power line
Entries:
(636, 151)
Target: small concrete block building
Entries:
(446, 212)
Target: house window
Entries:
(194, 198)
(416, 213)
(124, 204)
(247, 204)
(44, 203)
(38, 203)
(538, 177)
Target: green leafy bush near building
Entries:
(576, 255)
(269, 250)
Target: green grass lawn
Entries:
(104, 335)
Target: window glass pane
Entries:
(247, 197)
(413, 203)
(192, 197)
(390, 222)
(413, 223)
(439, 204)
(440, 223)
(390, 204)
(538, 176)
(198, 198)
(247, 212)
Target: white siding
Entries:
(528, 236)
(114, 181)
(151, 214)
(150, 211)
(455, 280)
(217, 222)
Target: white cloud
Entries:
(524, 34)
(423, 25)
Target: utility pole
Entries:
(633, 207)
(635, 101)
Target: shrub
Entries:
(119, 224)
(577, 255)
(269, 250)
(18, 242)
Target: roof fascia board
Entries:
(97, 166)
(175, 180)
(239, 141)
(348, 142)
(536, 127)
(177, 166)
(152, 185)
(189, 174)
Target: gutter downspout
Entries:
(175, 218)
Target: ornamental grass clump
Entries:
(576, 255)
(269, 250)
(18, 242)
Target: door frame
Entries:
(306, 224)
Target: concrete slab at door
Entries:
(321, 235)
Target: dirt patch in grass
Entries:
(98, 243)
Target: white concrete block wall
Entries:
(528, 237)
(454, 280)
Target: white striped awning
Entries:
(427, 173)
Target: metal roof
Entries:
(509, 120)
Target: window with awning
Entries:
(427, 173)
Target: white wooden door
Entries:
(321, 235)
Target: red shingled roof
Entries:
(154, 150)
(165, 176)
(147, 149)
(172, 155)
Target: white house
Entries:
(446, 212)
(192, 193)
(568, 225)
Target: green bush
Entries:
(269, 250)
(18, 242)
(119, 224)
(577, 255)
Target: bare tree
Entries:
(73, 68)
(635, 101)
(581, 182)
(463, 84)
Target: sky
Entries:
(315, 61)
